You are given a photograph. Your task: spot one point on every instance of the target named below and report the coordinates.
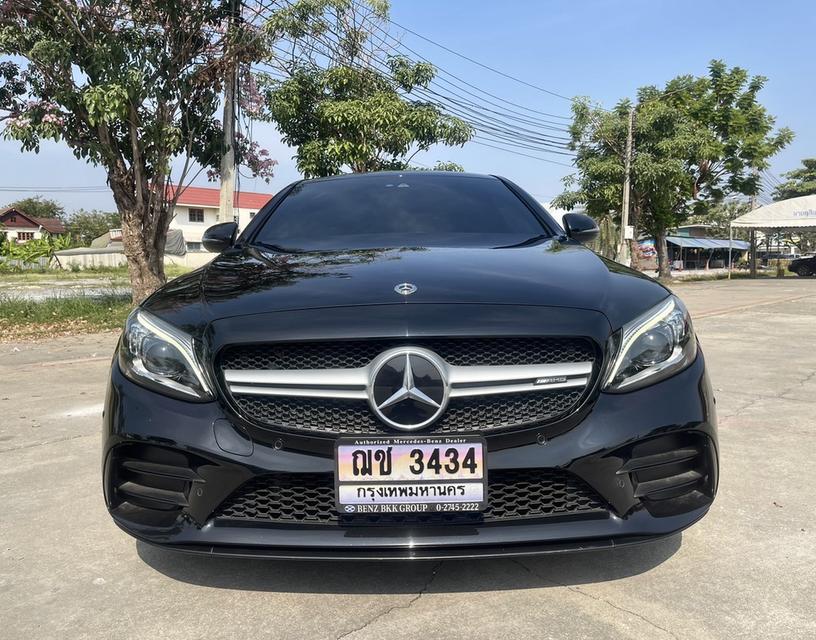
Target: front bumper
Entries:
(599, 450)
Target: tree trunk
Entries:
(145, 220)
(145, 260)
(663, 270)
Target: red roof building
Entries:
(20, 227)
(198, 208)
(207, 197)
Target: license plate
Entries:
(410, 475)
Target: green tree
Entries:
(342, 104)
(39, 207)
(696, 141)
(448, 166)
(30, 252)
(799, 182)
(84, 226)
(129, 85)
(720, 215)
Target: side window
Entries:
(195, 215)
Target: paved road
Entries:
(746, 571)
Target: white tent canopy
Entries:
(786, 214)
(794, 213)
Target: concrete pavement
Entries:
(745, 571)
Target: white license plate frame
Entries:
(361, 488)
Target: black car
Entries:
(407, 365)
(804, 266)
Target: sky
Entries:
(604, 49)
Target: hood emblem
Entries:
(408, 388)
(405, 289)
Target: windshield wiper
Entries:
(277, 248)
(526, 243)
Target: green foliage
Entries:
(131, 85)
(720, 215)
(38, 207)
(442, 165)
(358, 118)
(341, 105)
(30, 252)
(799, 182)
(696, 141)
(84, 226)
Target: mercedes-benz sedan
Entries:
(407, 365)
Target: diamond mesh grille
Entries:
(456, 351)
(478, 414)
(512, 495)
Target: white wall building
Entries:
(197, 210)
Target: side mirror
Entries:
(219, 237)
(580, 227)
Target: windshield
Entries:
(400, 210)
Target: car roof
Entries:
(449, 175)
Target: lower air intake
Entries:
(512, 495)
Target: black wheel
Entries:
(804, 270)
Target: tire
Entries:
(804, 270)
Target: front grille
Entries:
(350, 354)
(518, 494)
(470, 414)
(480, 414)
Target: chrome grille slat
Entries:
(464, 381)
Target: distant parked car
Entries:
(804, 266)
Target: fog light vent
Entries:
(153, 477)
(671, 474)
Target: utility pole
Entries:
(624, 256)
(226, 202)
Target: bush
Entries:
(30, 252)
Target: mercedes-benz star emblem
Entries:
(405, 288)
(408, 388)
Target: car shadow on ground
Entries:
(394, 577)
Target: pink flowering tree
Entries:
(132, 86)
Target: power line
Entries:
(493, 138)
(442, 70)
(482, 122)
(402, 48)
(482, 65)
(526, 155)
(495, 128)
(504, 126)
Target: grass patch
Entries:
(735, 275)
(105, 274)
(22, 319)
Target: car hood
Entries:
(245, 281)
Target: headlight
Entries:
(652, 347)
(160, 356)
